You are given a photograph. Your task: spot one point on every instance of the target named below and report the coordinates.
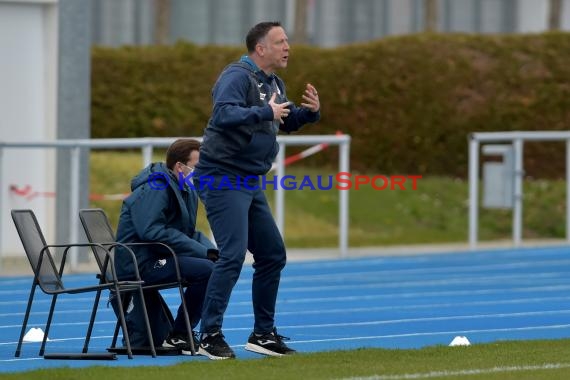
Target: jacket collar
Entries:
(247, 60)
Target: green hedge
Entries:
(408, 102)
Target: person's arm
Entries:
(298, 117)
(230, 102)
(309, 112)
(212, 252)
(148, 214)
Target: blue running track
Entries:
(388, 302)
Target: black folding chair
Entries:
(99, 231)
(50, 280)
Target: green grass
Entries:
(434, 213)
(501, 360)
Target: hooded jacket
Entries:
(241, 135)
(158, 210)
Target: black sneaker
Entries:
(269, 344)
(215, 347)
(180, 341)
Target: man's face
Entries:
(193, 158)
(275, 49)
(188, 167)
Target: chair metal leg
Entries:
(124, 301)
(91, 321)
(147, 324)
(187, 320)
(48, 324)
(116, 333)
(26, 317)
(124, 324)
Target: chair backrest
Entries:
(98, 230)
(33, 241)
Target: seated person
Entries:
(162, 208)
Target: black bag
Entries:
(159, 316)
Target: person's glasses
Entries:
(191, 170)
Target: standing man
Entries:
(250, 107)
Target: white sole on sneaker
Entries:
(260, 350)
(203, 352)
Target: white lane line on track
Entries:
(422, 294)
(390, 336)
(364, 323)
(436, 333)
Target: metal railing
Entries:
(517, 140)
(147, 146)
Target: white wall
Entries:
(28, 99)
(532, 16)
(401, 17)
(565, 23)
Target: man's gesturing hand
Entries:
(311, 98)
(280, 110)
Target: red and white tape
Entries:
(29, 194)
(304, 154)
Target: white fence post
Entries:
(344, 166)
(147, 151)
(473, 192)
(75, 153)
(280, 192)
(518, 192)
